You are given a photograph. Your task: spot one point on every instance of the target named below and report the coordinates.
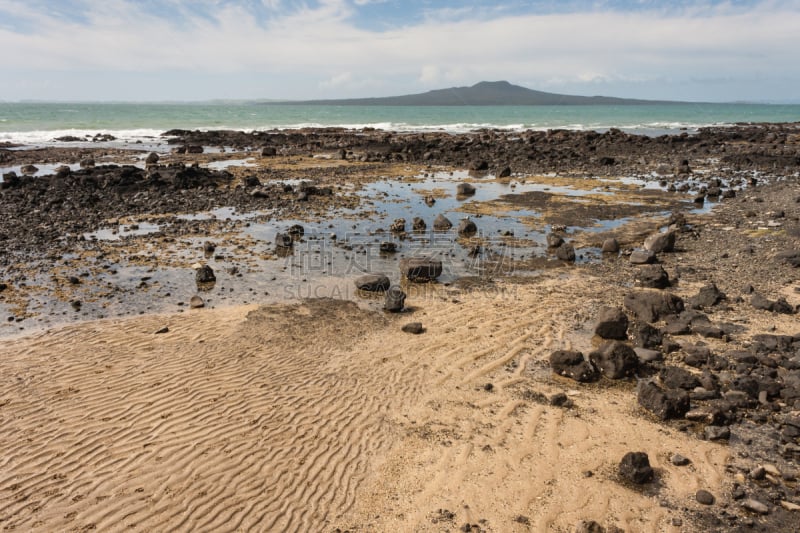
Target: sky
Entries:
(194, 50)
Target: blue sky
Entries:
(250, 49)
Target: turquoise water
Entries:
(41, 122)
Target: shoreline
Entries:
(324, 414)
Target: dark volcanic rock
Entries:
(420, 268)
(566, 252)
(465, 189)
(395, 299)
(554, 240)
(615, 360)
(649, 305)
(708, 296)
(467, 228)
(442, 223)
(612, 323)
(415, 328)
(635, 468)
(205, 274)
(373, 283)
(660, 242)
(573, 365)
(651, 277)
(673, 377)
(664, 403)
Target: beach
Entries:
(287, 400)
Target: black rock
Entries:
(205, 274)
(415, 328)
(660, 242)
(673, 377)
(566, 252)
(442, 223)
(635, 468)
(664, 403)
(467, 228)
(283, 240)
(554, 240)
(465, 189)
(649, 305)
(420, 269)
(615, 360)
(708, 296)
(651, 277)
(395, 299)
(573, 365)
(373, 283)
(612, 323)
(704, 497)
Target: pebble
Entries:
(679, 460)
(789, 506)
(704, 497)
(758, 473)
(415, 328)
(755, 506)
(165, 329)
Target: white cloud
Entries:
(560, 51)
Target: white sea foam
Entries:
(50, 136)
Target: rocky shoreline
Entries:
(700, 311)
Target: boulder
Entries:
(283, 240)
(635, 468)
(395, 299)
(651, 277)
(612, 323)
(554, 240)
(152, 159)
(610, 246)
(420, 269)
(205, 274)
(642, 257)
(442, 223)
(660, 242)
(572, 364)
(373, 283)
(566, 252)
(467, 228)
(664, 403)
(465, 189)
(398, 226)
(268, 151)
(615, 360)
(648, 305)
(673, 377)
(708, 296)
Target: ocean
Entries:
(41, 123)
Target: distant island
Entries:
(482, 94)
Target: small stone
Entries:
(758, 473)
(165, 329)
(635, 467)
(642, 257)
(589, 526)
(772, 470)
(755, 506)
(196, 302)
(704, 497)
(395, 299)
(679, 460)
(717, 432)
(73, 280)
(415, 328)
(610, 246)
(465, 189)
